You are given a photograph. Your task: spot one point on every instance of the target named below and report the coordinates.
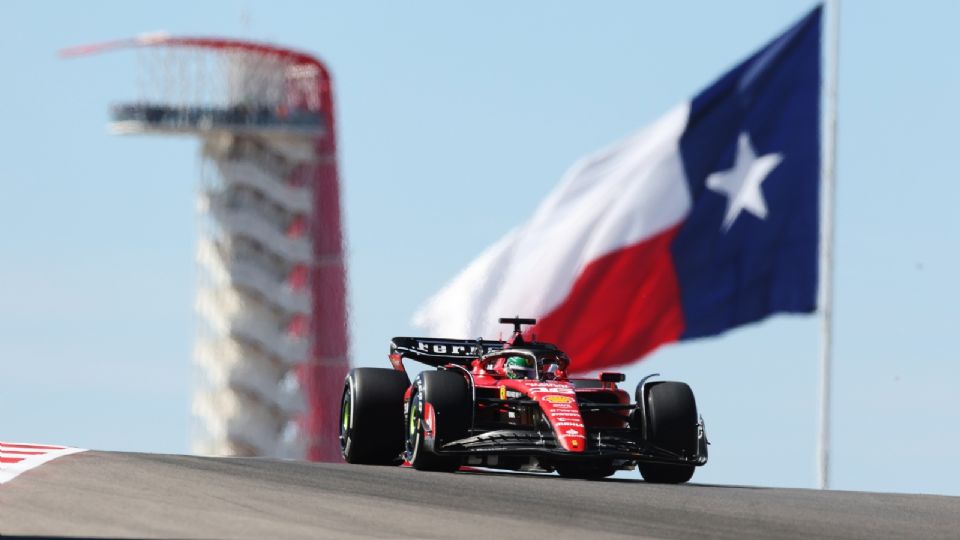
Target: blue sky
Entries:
(455, 120)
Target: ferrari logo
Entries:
(503, 392)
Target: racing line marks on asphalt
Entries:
(18, 458)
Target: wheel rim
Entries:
(345, 414)
(413, 429)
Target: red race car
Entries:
(510, 405)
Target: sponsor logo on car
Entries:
(452, 348)
(558, 399)
(558, 389)
(503, 392)
(572, 432)
(565, 413)
(574, 424)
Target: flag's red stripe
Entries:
(31, 446)
(622, 306)
(22, 453)
(11, 459)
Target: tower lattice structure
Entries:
(272, 345)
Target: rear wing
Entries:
(437, 352)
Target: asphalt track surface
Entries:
(120, 495)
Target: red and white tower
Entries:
(272, 344)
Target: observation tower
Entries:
(272, 346)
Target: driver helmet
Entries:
(518, 367)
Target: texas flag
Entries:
(706, 220)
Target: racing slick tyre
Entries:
(448, 395)
(671, 420)
(586, 471)
(371, 416)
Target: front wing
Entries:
(622, 444)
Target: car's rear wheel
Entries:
(671, 424)
(449, 397)
(371, 416)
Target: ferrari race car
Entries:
(510, 405)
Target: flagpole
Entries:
(828, 176)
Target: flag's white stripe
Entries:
(9, 471)
(609, 200)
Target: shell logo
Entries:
(558, 399)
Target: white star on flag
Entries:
(741, 184)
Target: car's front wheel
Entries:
(448, 396)
(671, 424)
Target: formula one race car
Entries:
(511, 405)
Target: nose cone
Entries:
(558, 401)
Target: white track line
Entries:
(18, 458)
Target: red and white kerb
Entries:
(18, 458)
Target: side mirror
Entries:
(609, 376)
